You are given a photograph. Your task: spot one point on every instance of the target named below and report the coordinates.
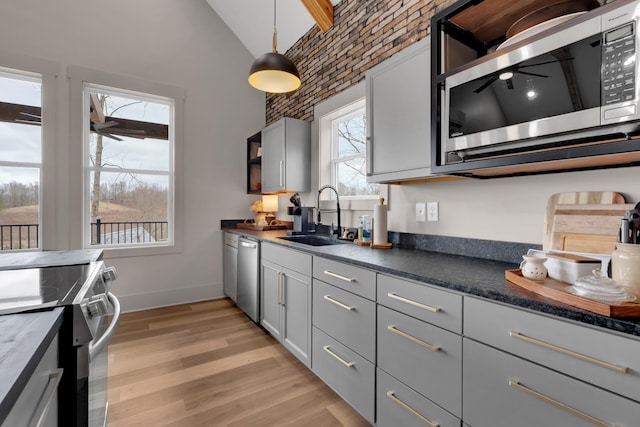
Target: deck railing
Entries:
(18, 236)
(124, 232)
(25, 236)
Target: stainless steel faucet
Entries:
(337, 204)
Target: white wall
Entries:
(504, 209)
(178, 43)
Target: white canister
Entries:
(532, 267)
(625, 267)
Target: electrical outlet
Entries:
(421, 212)
(432, 211)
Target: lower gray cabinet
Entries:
(424, 357)
(38, 401)
(347, 317)
(285, 302)
(502, 390)
(346, 372)
(399, 405)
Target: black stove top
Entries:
(35, 288)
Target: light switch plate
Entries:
(432, 211)
(421, 212)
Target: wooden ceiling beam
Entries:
(321, 11)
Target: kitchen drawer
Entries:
(397, 405)
(598, 357)
(289, 258)
(346, 372)
(346, 317)
(353, 279)
(39, 396)
(440, 308)
(499, 391)
(426, 358)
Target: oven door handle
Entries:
(96, 347)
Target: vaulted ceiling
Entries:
(252, 22)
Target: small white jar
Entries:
(625, 267)
(533, 268)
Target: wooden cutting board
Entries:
(586, 221)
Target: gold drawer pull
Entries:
(393, 397)
(414, 303)
(280, 287)
(414, 339)
(338, 358)
(550, 401)
(619, 369)
(339, 276)
(339, 304)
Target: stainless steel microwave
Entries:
(578, 79)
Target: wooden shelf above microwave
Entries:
(483, 24)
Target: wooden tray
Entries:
(256, 227)
(555, 290)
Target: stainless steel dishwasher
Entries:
(249, 277)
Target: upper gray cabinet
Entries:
(286, 156)
(398, 115)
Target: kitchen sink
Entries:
(314, 240)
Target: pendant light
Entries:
(274, 72)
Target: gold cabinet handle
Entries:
(339, 304)
(516, 384)
(338, 358)
(413, 339)
(414, 303)
(280, 288)
(339, 276)
(428, 422)
(521, 337)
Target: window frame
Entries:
(351, 111)
(349, 100)
(79, 78)
(47, 72)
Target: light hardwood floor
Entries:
(207, 364)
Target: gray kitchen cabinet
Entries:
(502, 390)
(357, 280)
(435, 306)
(344, 333)
(347, 317)
(230, 265)
(286, 156)
(285, 298)
(38, 401)
(398, 98)
(346, 372)
(595, 356)
(399, 405)
(424, 357)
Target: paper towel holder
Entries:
(373, 237)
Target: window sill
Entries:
(135, 251)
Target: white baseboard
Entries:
(164, 298)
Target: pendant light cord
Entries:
(275, 31)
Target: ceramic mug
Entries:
(533, 268)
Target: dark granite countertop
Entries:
(24, 338)
(470, 275)
(15, 260)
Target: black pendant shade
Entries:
(275, 73)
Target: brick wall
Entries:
(364, 33)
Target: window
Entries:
(129, 168)
(348, 153)
(20, 159)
